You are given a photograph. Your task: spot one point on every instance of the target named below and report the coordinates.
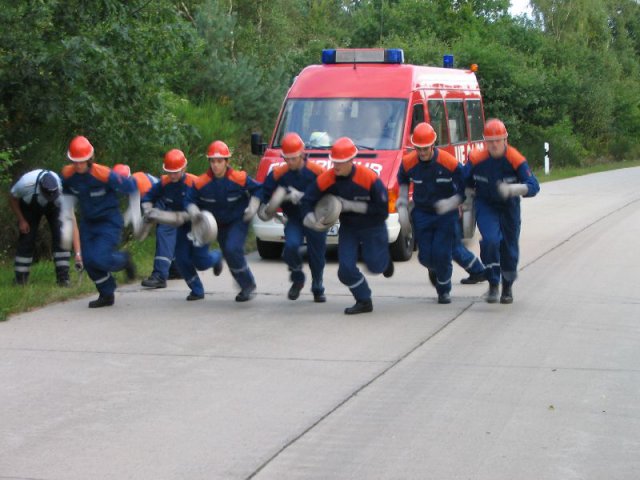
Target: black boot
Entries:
(217, 268)
(361, 306)
(444, 298)
(193, 297)
(473, 278)
(130, 268)
(294, 291)
(154, 282)
(62, 277)
(492, 295)
(102, 301)
(389, 270)
(507, 295)
(319, 297)
(246, 294)
(22, 278)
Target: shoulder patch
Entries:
(364, 177)
(143, 182)
(514, 157)
(201, 181)
(447, 160)
(315, 168)
(100, 172)
(190, 179)
(410, 160)
(326, 179)
(477, 156)
(237, 176)
(279, 171)
(68, 170)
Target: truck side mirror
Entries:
(257, 147)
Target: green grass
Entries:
(568, 172)
(42, 288)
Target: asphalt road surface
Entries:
(160, 388)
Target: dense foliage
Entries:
(139, 77)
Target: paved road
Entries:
(158, 388)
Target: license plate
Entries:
(333, 231)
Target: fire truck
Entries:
(374, 98)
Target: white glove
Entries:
(67, 205)
(507, 190)
(193, 210)
(310, 221)
(146, 208)
(264, 214)
(470, 194)
(355, 206)
(403, 197)
(173, 219)
(447, 204)
(294, 195)
(251, 210)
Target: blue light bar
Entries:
(447, 61)
(363, 55)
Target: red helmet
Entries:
(218, 149)
(174, 161)
(343, 150)
(423, 135)
(292, 145)
(80, 149)
(494, 129)
(122, 169)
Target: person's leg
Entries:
(316, 252)
(26, 244)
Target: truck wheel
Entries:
(269, 250)
(402, 249)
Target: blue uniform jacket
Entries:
(299, 179)
(483, 173)
(169, 194)
(96, 191)
(362, 184)
(433, 180)
(227, 197)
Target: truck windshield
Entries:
(375, 124)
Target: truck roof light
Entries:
(363, 55)
(447, 61)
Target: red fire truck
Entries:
(372, 97)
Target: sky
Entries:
(518, 7)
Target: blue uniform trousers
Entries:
(165, 250)
(375, 255)
(100, 256)
(435, 237)
(231, 238)
(294, 233)
(190, 258)
(500, 230)
(463, 256)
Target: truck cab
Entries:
(374, 98)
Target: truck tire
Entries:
(269, 250)
(402, 249)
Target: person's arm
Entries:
(79, 265)
(23, 225)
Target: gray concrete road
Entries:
(160, 388)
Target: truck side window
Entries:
(474, 115)
(417, 115)
(437, 119)
(457, 121)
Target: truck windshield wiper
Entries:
(364, 147)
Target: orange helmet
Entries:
(494, 129)
(218, 149)
(80, 149)
(292, 145)
(343, 150)
(423, 135)
(122, 169)
(174, 161)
